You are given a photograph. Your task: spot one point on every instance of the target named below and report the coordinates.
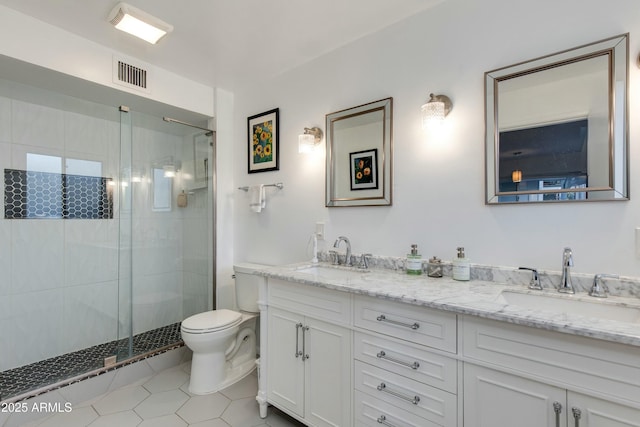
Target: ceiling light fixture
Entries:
(138, 23)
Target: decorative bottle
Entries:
(414, 261)
(461, 266)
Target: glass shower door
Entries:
(124, 347)
(166, 223)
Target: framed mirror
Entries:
(556, 127)
(359, 150)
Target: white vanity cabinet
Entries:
(333, 358)
(309, 353)
(515, 375)
(404, 372)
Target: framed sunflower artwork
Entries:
(263, 142)
(364, 169)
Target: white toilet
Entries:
(224, 341)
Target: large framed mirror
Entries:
(359, 150)
(556, 127)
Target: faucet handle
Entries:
(364, 261)
(599, 289)
(335, 260)
(535, 280)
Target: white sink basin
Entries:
(601, 309)
(328, 272)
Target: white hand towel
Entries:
(257, 200)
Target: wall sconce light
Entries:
(309, 140)
(137, 174)
(435, 110)
(516, 174)
(138, 23)
(169, 171)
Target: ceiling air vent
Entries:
(129, 75)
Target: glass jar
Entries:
(434, 267)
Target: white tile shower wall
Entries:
(5, 254)
(38, 126)
(5, 120)
(89, 314)
(59, 285)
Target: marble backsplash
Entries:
(622, 286)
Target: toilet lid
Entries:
(210, 321)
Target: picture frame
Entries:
(363, 167)
(262, 139)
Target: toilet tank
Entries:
(247, 286)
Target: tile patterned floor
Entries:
(163, 400)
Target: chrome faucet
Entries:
(347, 260)
(567, 262)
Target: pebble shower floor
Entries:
(25, 379)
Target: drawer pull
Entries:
(383, 355)
(557, 408)
(383, 420)
(414, 399)
(383, 318)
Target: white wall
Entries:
(438, 190)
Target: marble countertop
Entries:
(476, 297)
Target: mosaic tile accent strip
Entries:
(29, 194)
(21, 380)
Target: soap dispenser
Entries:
(414, 261)
(461, 266)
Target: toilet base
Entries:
(233, 375)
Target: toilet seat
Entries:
(211, 321)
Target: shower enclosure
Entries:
(106, 235)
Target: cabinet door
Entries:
(495, 399)
(285, 370)
(600, 413)
(328, 374)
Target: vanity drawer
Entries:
(430, 403)
(372, 412)
(319, 303)
(602, 366)
(406, 360)
(429, 327)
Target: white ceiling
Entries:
(227, 43)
